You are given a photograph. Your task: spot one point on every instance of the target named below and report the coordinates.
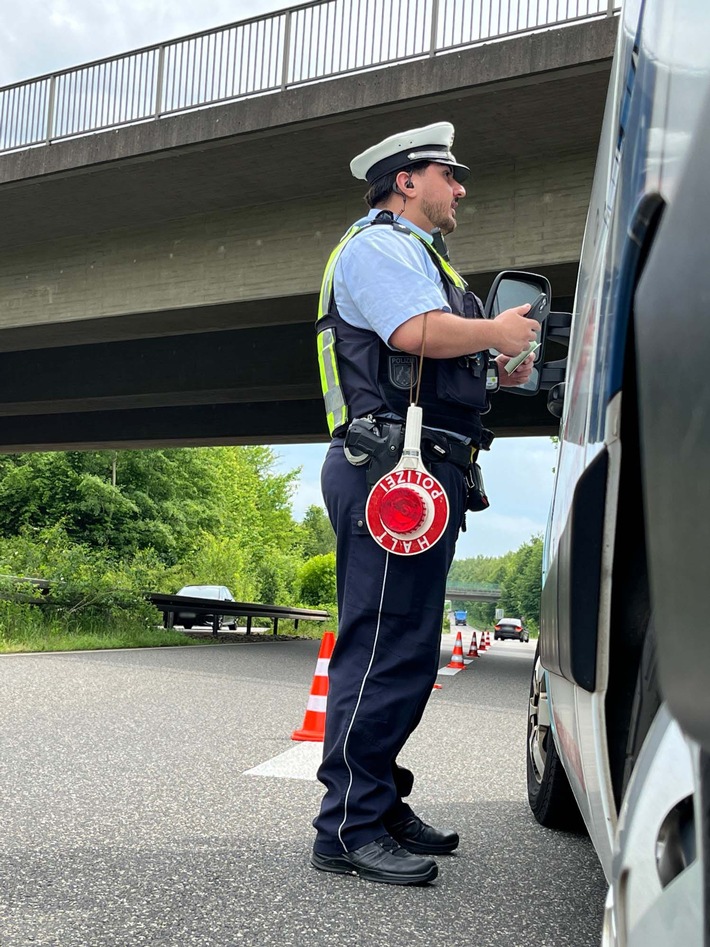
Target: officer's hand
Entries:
(521, 374)
(514, 332)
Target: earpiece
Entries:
(409, 183)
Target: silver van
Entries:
(619, 721)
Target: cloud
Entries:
(49, 35)
(492, 534)
(310, 458)
(61, 19)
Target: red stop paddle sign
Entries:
(407, 510)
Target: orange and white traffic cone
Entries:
(457, 661)
(473, 650)
(488, 640)
(314, 721)
(482, 643)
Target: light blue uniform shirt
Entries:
(383, 278)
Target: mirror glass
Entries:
(532, 384)
(517, 292)
(514, 292)
(513, 288)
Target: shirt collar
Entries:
(404, 222)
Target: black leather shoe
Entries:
(381, 860)
(416, 836)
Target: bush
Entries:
(316, 580)
(83, 581)
(276, 577)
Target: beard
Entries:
(440, 214)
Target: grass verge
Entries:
(29, 628)
(25, 627)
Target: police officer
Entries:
(396, 319)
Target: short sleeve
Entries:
(385, 277)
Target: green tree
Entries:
(318, 536)
(255, 512)
(160, 499)
(521, 586)
(208, 515)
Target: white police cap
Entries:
(430, 143)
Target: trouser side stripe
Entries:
(357, 705)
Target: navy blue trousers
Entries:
(385, 659)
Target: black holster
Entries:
(476, 497)
(381, 441)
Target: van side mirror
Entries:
(556, 400)
(513, 288)
(554, 373)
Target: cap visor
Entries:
(459, 171)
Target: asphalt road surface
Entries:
(128, 819)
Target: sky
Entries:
(40, 36)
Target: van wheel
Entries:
(549, 793)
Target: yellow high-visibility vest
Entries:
(336, 408)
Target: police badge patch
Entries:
(403, 371)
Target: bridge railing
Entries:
(306, 43)
(468, 587)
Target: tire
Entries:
(550, 795)
(187, 625)
(232, 626)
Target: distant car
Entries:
(195, 616)
(460, 618)
(510, 628)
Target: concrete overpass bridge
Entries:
(483, 592)
(160, 262)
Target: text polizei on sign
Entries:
(407, 510)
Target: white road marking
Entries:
(299, 762)
(302, 760)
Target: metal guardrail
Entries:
(24, 589)
(306, 43)
(173, 605)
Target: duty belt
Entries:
(438, 447)
(378, 442)
(441, 447)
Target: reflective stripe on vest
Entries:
(447, 268)
(336, 408)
